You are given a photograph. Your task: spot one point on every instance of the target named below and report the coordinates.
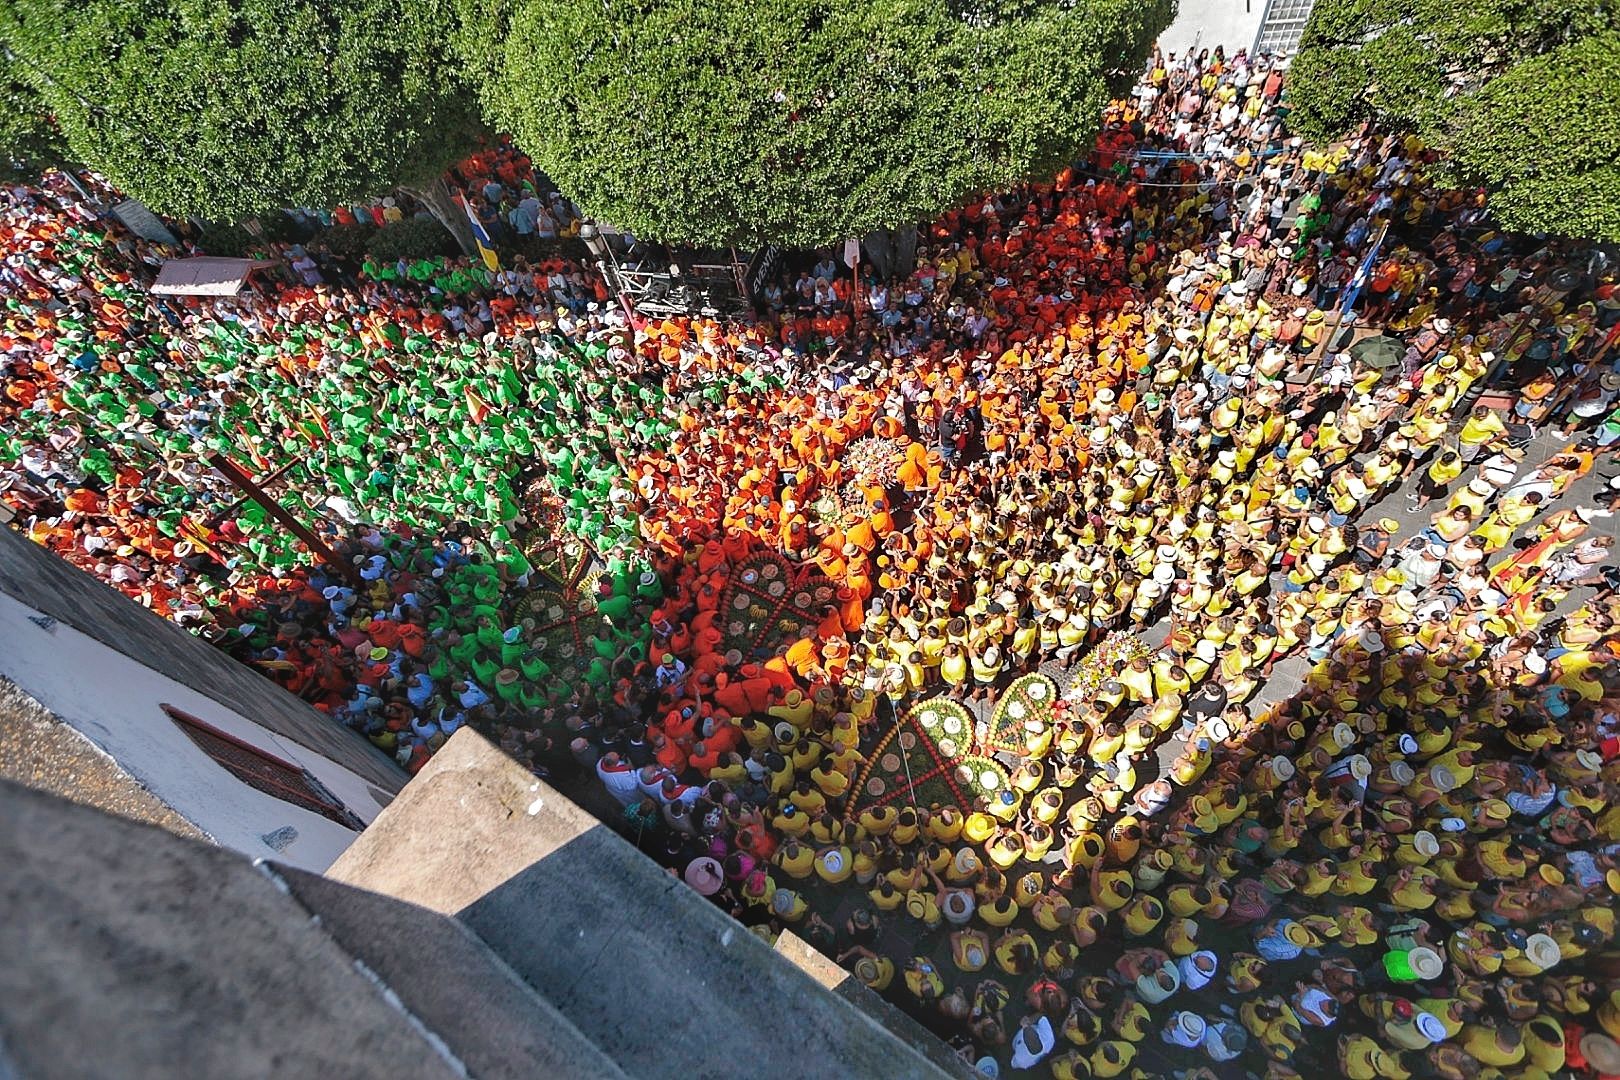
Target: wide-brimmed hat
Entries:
(1425, 963)
(1543, 951)
(705, 875)
(1425, 843)
(1601, 1052)
(1301, 935)
(1429, 1026)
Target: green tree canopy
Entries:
(29, 139)
(1519, 95)
(225, 109)
(798, 121)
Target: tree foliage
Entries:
(800, 121)
(1517, 94)
(29, 139)
(225, 109)
(410, 238)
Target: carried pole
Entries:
(231, 471)
(1353, 292)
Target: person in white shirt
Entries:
(1034, 1041)
(1315, 1006)
(1198, 969)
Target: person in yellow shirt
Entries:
(1440, 473)
(1482, 425)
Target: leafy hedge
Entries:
(227, 110)
(714, 122)
(1519, 95)
(411, 238)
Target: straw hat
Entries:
(1443, 778)
(1425, 843)
(1601, 1052)
(1189, 1025)
(1542, 951)
(1282, 768)
(1360, 767)
(1425, 963)
(1301, 935)
(1344, 735)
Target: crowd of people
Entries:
(1112, 403)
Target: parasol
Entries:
(1379, 352)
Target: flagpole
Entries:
(855, 289)
(1353, 293)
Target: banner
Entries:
(486, 246)
(143, 223)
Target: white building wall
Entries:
(1234, 24)
(113, 701)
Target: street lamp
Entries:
(606, 264)
(591, 236)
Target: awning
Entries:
(205, 276)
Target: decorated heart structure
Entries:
(560, 610)
(1030, 697)
(928, 759)
(873, 460)
(768, 604)
(1097, 666)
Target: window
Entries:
(262, 771)
(1281, 26)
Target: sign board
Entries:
(143, 223)
(205, 276)
(762, 268)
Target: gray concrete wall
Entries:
(662, 980)
(128, 953)
(42, 581)
(449, 980)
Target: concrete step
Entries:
(660, 979)
(128, 952)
